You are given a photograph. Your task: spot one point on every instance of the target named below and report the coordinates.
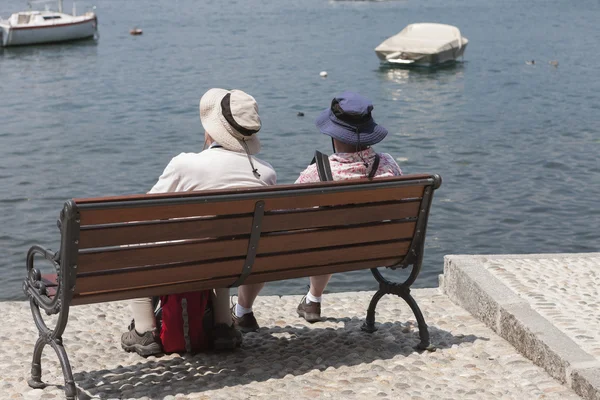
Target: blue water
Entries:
(517, 145)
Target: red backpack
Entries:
(185, 322)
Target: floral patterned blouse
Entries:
(352, 166)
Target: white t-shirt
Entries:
(214, 168)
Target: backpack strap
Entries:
(323, 167)
(374, 167)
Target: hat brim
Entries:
(370, 132)
(217, 127)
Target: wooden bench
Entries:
(117, 248)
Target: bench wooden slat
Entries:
(347, 215)
(222, 208)
(318, 238)
(336, 255)
(126, 234)
(158, 276)
(156, 254)
(97, 296)
(171, 274)
(263, 190)
(149, 232)
(319, 270)
(49, 280)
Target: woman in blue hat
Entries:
(349, 123)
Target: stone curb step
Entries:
(468, 284)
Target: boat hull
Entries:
(19, 36)
(423, 60)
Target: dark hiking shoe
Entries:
(226, 337)
(246, 323)
(145, 345)
(309, 311)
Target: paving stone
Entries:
(288, 357)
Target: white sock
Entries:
(312, 299)
(241, 311)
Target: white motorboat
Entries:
(424, 44)
(33, 27)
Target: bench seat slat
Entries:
(157, 254)
(157, 290)
(132, 279)
(284, 202)
(149, 232)
(149, 291)
(335, 255)
(170, 253)
(319, 270)
(314, 239)
(49, 280)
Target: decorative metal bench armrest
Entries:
(33, 286)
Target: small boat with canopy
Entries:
(423, 44)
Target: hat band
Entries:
(353, 119)
(226, 110)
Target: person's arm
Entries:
(169, 180)
(309, 175)
(390, 165)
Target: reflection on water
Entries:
(443, 74)
(60, 47)
(426, 91)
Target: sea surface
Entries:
(517, 145)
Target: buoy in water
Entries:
(136, 31)
(323, 74)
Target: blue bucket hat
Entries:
(349, 120)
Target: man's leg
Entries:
(220, 300)
(143, 314)
(142, 336)
(225, 334)
(242, 314)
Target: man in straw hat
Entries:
(231, 124)
(353, 131)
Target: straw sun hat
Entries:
(231, 118)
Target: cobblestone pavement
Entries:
(564, 289)
(287, 358)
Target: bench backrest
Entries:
(124, 247)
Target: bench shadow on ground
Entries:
(273, 352)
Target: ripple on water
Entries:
(87, 119)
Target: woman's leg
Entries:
(248, 293)
(318, 284)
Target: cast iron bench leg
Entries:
(36, 366)
(403, 291)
